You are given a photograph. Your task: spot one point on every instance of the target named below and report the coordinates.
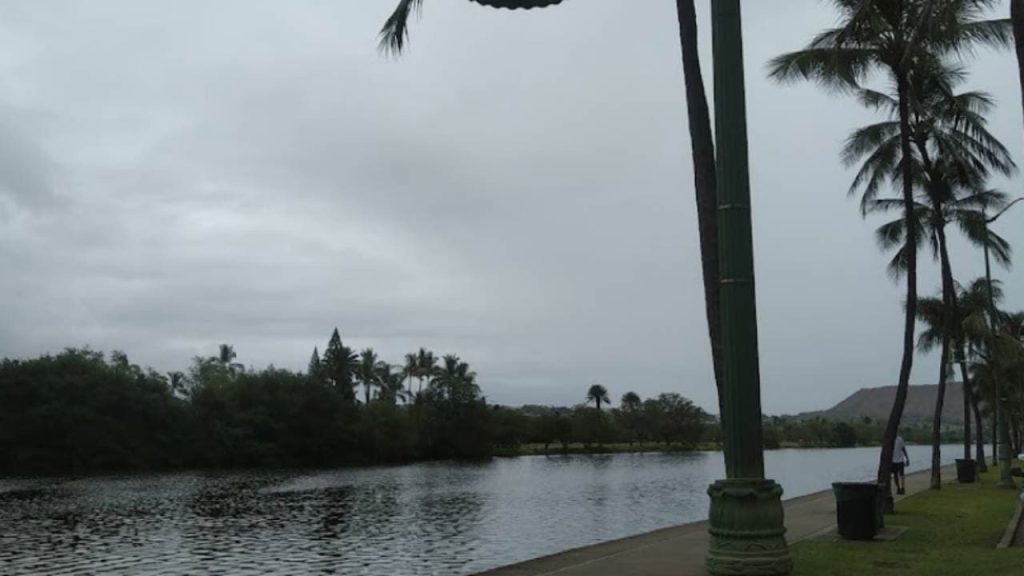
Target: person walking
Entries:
(900, 462)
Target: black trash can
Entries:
(966, 471)
(857, 509)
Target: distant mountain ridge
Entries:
(875, 403)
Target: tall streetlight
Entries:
(1002, 426)
(747, 530)
(746, 517)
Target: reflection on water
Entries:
(437, 518)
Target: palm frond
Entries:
(840, 70)
(881, 167)
(977, 231)
(980, 201)
(898, 264)
(993, 33)
(891, 234)
(931, 312)
(876, 100)
(1000, 249)
(871, 138)
(395, 33)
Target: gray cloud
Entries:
(516, 189)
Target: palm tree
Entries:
(630, 402)
(892, 37)
(454, 381)
(339, 364)
(410, 369)
(630, 405)
(702, 151)
(395, 34)
(426, 367)
(367, 372)
(176, 380)
(971, 310)
(980, 299)
(1011, 362)
(225, 356)
(953, 155)
(598, 394)
(1013, 325)
(999, 366)
(448, 374)
(389, 381)
(1013, 382)
(943, 317)
(933, 312)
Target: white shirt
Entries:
(899, 451)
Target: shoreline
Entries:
(574, 451)
(538, 450)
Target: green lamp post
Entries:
(746, 517)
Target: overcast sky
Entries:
(517, 189)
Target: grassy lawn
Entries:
(950, 532)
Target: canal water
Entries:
(436, 518)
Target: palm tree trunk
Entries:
(979, 438)
(702, 149)
(952, 308)
(995, 431)
(1017, 16)
(949, 326)
(1014, 435)
(936, 480)
(910, 318)
(952, 328)
(967, 411)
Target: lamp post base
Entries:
(748, 536)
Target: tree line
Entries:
(80, 411)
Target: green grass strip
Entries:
(953, 531)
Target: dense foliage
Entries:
(78, 411)
(81, 411)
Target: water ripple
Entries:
(440, 518)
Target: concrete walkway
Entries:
(679, 551)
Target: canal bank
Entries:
(679, 550)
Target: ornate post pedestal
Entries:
(747, 532)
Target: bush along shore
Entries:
(82, 411)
